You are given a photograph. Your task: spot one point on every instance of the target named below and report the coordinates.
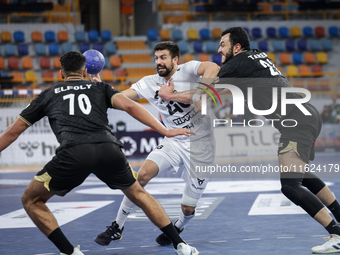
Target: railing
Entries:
(164, 7)
(60, 13)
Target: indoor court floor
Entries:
(234, 216)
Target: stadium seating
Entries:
(298, 82)
(314, 45)
(271, 32)
(115, 61)
(309, 57)
(120, 73)
(188, 57)
(263, 45)
(316, 69)
(216, 32)
(93, 35)
(40, 49)
(290, 45)
(49, 36)
(36, 36)
(13, 63)
(204, 57)
(16, 75)
(9, 49)
(27, 62)
(304, 69)
(110, 48)
(307, 31)
(84, 47)
(253, 45)
(66, 47)
(164, 34)
(107, 74)
(333, 31)
(183, 46)
(283, 31)
(176, 35)
(23, 49)
(198, 46)
(19, 36)
(136, 58)
(192, 34)
(48, 74)
(295, 31)
(324, 84)
(302, 45)
(56, 63)
(292, 70)
(256, 32)
(131, 45)
(271, 56)
(98, 46)
(217, 58)
(5, 36)
(319, 31)
(30, 76)
(312, 84)
(106, 35)
(45, 62)
(62, 36)
(210, 47)
(321, 57)
(278, 45)
(80, 36)
(2, 63)
(297, 58)
(326, 44)
(53, 49)
(152, 34)
(285, 58)
(107, 63)
(204, 34)
(246, 29)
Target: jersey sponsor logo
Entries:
(131, 142)
(159, 147)
(187, 117)
(200, 181)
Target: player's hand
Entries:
(178, 131)
(95, 77)
(198, 105)
(166, 91)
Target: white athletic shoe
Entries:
(331, 246)
(76, 251)
(184, 249)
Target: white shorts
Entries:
(170, 155)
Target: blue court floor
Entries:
(234, 216)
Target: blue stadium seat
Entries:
(53, 48)
(66, 47)
(19, 36)
(307, 31)
(183, 47)
(153, 44)
(283, 31)
(80, 36)
(177, 34)
(271, 32)
(297, 58)
(253, 45)
(210, 47)
(247, 30)
(110, 48)
(290, 45)
(40, 49)
(106, 35)
(333, 31)
(263, 45)
(302, 44)
(107, 63)
(277, 8)
(198, 46)
(23, 49)
(9, 49)
(84, 47)
(152, 34)
(98, 46)
(0, 50)
(93, 35)
(314, 44)
(326, 44)
(49, 36)
(278, 45)
(205, 33)
(256, 32)
(217, 58)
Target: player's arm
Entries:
(136, 110)
(208, 71)
(12, 133)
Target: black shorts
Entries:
(72, 165)
(302, 137)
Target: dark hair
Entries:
(238, 35)
(172, 47)
(72, 62)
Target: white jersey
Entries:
(175, 114)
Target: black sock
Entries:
(335, 209)
(333, 228)
(171, 232)
(59, 239)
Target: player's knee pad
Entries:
(313, 183)
(295, 192)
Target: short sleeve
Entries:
(109, 93)
(140, 87)
(34, 111)
(227, 71)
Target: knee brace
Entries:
(313, 183)
(295, 192)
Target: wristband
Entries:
(196, 97)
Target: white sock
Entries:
(184, 220)
(125, 208)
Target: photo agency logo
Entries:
(238, 108)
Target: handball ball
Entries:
(95, 61)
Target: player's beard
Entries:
(227, 56)
(167, 70)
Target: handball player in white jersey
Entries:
(173, 153)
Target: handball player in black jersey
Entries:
(77, 112)
(245, 68)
